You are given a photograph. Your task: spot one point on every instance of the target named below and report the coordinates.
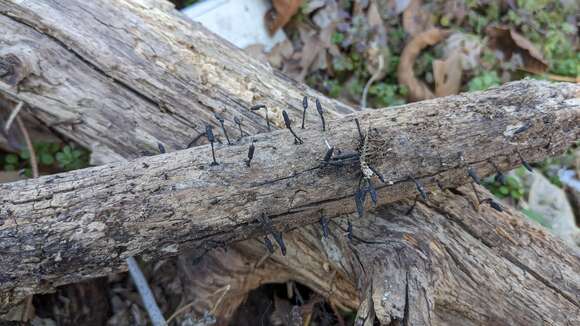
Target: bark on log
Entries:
(91, 220)
(448, 304)
(79, 64)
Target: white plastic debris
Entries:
(241, 22)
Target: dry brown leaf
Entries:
(311, 51)
(510, 42)
(405, 74)
(280, 53)
(447, 74)
(415, 18)
(280, 14)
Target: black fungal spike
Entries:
(221, 121)
(269, 244)
(439, 185)
(161, 148)
(499, 176)
(251, 150)
(324, 223)
(328, 155)
(495, 205)
(373, 192)
(269, 228)
(262, 106)
(473, 175)
(239, 123)
(278, 237)
(379, 175)
(412, 206)
(525, 164)
(359, 199)
(319, 109)
(360, 134)
(211, 138)
(194, 140)
(523, 128)
(305, 106)
(419, 187)
(257, 107)
(349, 230)
(288, 124)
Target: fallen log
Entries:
(89, 114)
(60, 228)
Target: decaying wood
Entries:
(445, 264)
(95, 66)
(78, 64)
(91, 220)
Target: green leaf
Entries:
(504, 190)
(61, 158)
(11, 159)
(24, 154)
(46, 159)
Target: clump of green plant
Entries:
(511, 187)
(49, 155)
(71, 158)
(484, 81)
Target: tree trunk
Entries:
(81, 65)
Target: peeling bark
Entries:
(446, 263)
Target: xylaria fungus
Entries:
(161, 148)
(288, 124)
(222, 121)
(471, 172)
(525, 163)
(267, 226)
(305, 106)
(238, 121)
(211, 139)
(268, 243)
(319, 109)
(251, 150)
(499, 176)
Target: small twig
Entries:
(26, 310)
(33, 161)
(12, 116)
(337, 314)
(374, 77)
(177, 312)
(151, 306)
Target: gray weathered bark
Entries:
(86, 63)
(91, 220)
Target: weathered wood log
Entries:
(78, 64)
(64, 59)
(443, 264)
(91, 220)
